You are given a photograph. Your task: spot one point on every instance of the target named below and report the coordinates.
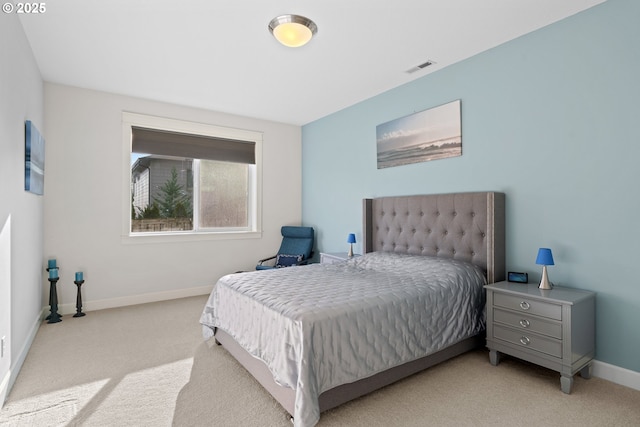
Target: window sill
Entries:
(147, 238)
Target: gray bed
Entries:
(462, 232)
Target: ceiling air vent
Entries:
(420, 67)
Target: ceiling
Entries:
(219, 55)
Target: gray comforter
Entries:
(323, 325)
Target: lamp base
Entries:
(350, 254)
(544, 282)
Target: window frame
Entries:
(130, 119)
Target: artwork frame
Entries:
(432, 134)
(33, 159)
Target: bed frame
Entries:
(463, 226)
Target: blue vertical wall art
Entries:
(33, 159)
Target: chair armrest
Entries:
(266, 259)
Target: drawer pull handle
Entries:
(525, 305)
(525, 323)
(525, 341)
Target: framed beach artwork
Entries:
(33, 159)
(431, 134)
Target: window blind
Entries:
(177, 144)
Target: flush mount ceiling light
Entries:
(292, 30)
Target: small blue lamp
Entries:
(351, 240)
(545, 257)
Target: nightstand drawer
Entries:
(525, 322)
(526, 340)
(526, 305)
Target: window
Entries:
(189, 178)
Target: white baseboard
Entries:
(616, 374)
(5, 388)
(134, 299)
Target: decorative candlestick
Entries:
(54, 317)
(79, 312)
(53, 294)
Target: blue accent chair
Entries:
(296, 248)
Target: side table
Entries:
(333, 257)
(551, 328)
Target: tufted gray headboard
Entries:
(464, 226)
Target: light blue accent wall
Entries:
(553, 120)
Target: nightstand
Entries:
(551, 328)
(330, 258)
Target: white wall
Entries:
(21, 212)
(83, 203)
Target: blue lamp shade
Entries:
(545, 257)
(351, 238)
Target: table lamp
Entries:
(545, 257)
(351, 240)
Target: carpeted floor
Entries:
(147, 365)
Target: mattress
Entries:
(323, 325)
